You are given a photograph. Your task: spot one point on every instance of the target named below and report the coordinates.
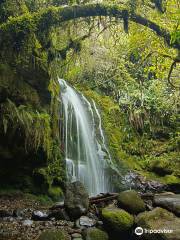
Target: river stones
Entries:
(117, 220)
(170, 202)
(76, 200)
(159, 219)
(54, 235)
(95, 234)
(131, 202)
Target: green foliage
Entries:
(35, 126)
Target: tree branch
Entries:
(54, 16)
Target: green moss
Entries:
(117, 220)
(96, 234)
(54, 235)
(131, 202)
(55, 193)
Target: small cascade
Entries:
(86, 153)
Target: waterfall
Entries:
(86, 154)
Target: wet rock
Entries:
(39, 216)
(27, 223)
(54, 235)
(117, 220)
(131, 202)
(159, 219)
(169, 202)
(136, 181)
(86, 221)
(5, 213)
(95, 234)
(76, 236)
(59, 214)
(57, 205)
(76, 200)
(99, 223)
(18, 212)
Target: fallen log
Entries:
(103, 198)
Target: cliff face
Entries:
(30, 155)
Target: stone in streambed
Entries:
(169, 202)
(18, 212)
(76, 200)
(39, 216)
(131, 202)
(86, 221)
(159, 219)
(27, 223)
(54, 235)
(95, 234)
(117, 220)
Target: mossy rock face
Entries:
(95, 234)
(54, 235)
(159, 219)
(117, 220)
(131, 202)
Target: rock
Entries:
(95, 234)
(54, 235)
(136, 181)
(27, 223)
(76, 235)
(39, 216)
(18, 213)
(170, 202)
(59, 214)
(5, 213)
(159, 219)
(76, 200)
(131, 202)
(57, 205)
(117, 220)
(86, 221)
(99, 223)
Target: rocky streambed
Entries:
(127, 215)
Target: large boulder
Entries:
(76, 200)
(170, 202)
(159, 222)
(117, 220)
(131, 202)
(54, 235)
(95, 234)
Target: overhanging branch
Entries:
(53, 16)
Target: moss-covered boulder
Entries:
(95, 234)
(131, 202)
(54, 235)
(117, 220)
(159, 219)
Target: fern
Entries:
(35, 126)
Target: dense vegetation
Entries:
(125, 55)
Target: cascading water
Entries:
(87, 157)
